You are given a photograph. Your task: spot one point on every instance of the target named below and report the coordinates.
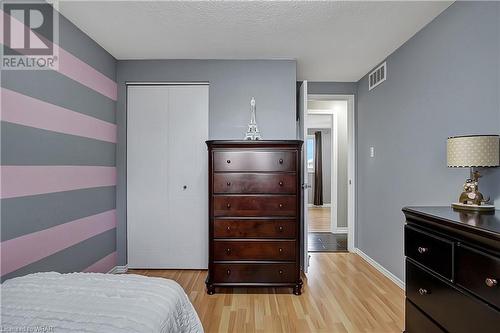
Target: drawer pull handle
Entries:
(228, 183)
(422, 250)
(228, 161)
(228, 272)
(423, 291)
(280, 228)
(281, 205)
(280, 161)
(281, 183)
(490, 282)
(228, 251)
(228, 228)
(228, 205)
(281, 272)
(280, 250)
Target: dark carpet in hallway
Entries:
(327, 242)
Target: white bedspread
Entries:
(93, 302)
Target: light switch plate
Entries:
(372, 151)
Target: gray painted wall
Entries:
(341, 88)
(442, 82)
(232, 84)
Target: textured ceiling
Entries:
(331, 41)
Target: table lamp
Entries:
(473, 151)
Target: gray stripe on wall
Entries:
(83, 47)
(320, 88)
(22, 145)
(29, 214)
(55, 88)
(73, 259)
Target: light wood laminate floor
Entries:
(342, 293)
(319, 219)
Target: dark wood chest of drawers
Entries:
(254, 214)
(452, 270)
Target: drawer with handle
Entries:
(254, 183)
(432, 251)
(255, 273)
(449, 307)
(479, 273)
(254, 161)
(263, 228)
(255, 205)
(417, 322)
(254, 250)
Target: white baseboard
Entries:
(340, 230)
(327, 205)
(380, 268)
(118, 270)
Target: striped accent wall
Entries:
(58, 165)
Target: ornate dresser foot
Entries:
(210, 289)
(297, 290)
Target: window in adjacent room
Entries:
(310, 152)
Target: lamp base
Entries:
(474, 208)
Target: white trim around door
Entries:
(351, 163)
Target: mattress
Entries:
(94, 302)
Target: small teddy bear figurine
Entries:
(471, 194)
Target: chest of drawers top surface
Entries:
(254, 214)
(484, 224)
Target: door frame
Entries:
(302, 134)
(351, 162)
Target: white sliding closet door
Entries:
(167, 177)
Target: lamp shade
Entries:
(473, 151)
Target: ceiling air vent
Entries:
(378, 76)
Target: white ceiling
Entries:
(331, 41)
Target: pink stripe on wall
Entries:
(18, 181)
(28, 111)
(74, 68)
(104, 265)
(27, 249)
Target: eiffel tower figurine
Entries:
(253, 131)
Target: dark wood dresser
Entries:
(254, 214)
(452, 270)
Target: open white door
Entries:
(302, 134)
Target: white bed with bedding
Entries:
(93, 302)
